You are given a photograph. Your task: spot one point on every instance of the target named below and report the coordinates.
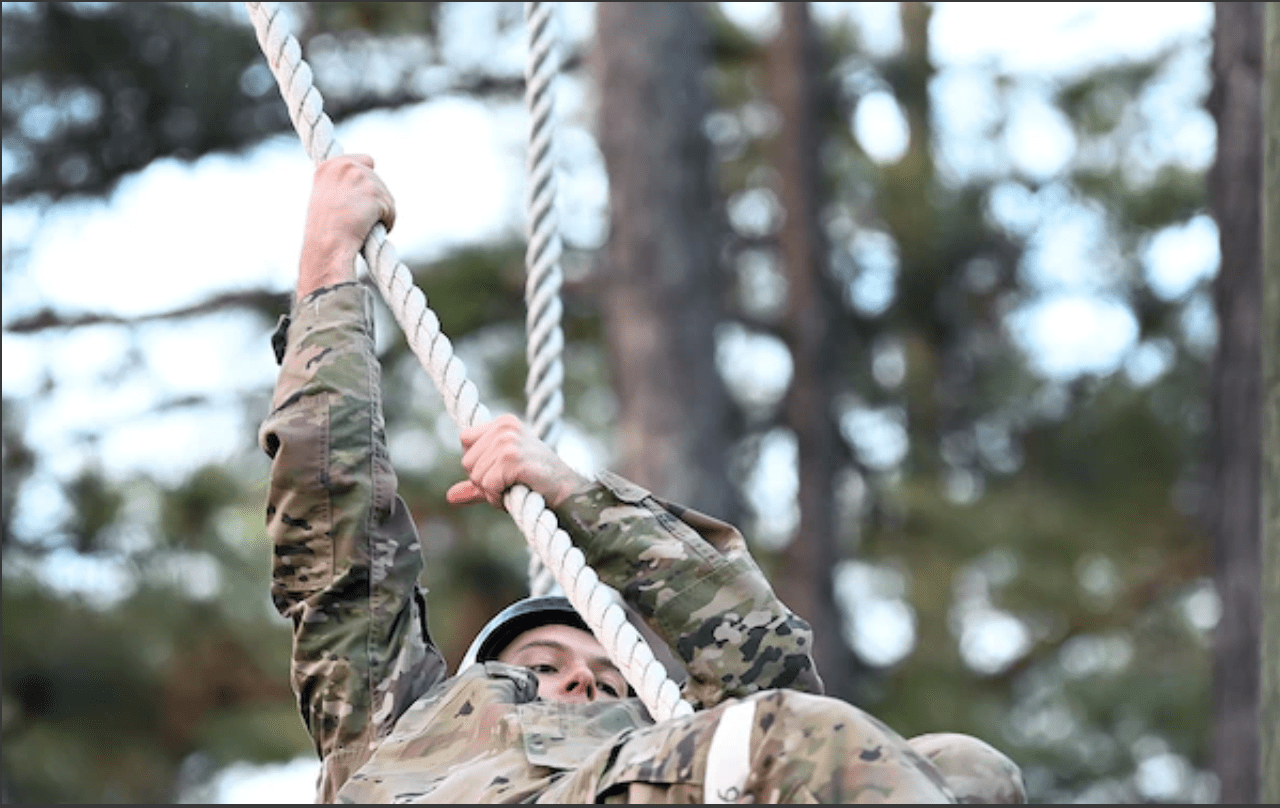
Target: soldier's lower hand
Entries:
(503, 452)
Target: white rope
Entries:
(599, 604)
(544, 401)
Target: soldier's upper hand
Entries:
(347, 199)
(505, 451)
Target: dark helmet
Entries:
(515, 620)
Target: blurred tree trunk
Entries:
(1269, 710)
(1235, 197)
(661, 281)
(805, 581)
(909, 205)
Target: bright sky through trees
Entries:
(177, 232)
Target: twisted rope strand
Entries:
(599, 604)
(544, 400)
(545, 403)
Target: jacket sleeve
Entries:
(693, 580)
(346, 551)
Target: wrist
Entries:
(322, 267)
(570, 484)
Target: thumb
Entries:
(463, 493)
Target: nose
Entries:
(578, 684)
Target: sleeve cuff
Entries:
(340, 300)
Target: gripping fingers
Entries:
(497, 467)
(493, 457)
(494, 484)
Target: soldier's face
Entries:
(570, 664)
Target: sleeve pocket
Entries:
(299, 517)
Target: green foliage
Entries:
(481, 286)
(374, 19)
(95, 506)
(190, 510)
(95, 93)
(18, 462)
(111, 702)
(1173, 195)
(1063, 510)
(1098, 102)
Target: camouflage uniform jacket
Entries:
(387, 720)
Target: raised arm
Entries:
(689, 576)
(346, 552)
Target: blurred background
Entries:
(952, 307)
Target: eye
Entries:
(607, 689)
(542, 667)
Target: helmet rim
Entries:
(516, 619)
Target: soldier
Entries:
(537, 712)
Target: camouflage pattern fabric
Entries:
(390, 724)
(346, 552)
(976, 771)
